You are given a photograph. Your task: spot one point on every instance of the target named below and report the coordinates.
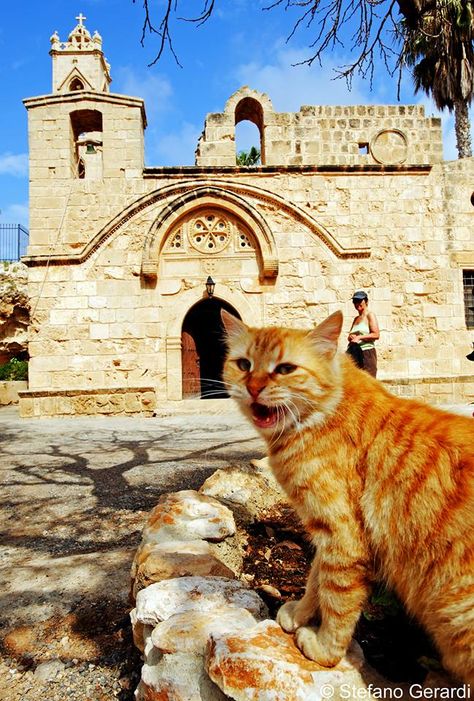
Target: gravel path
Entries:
(75, 494)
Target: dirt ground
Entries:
(75, 494)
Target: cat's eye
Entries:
(243, 364)
(285, 368)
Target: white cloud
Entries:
(15, 214)
(289, 86)
(155, 89)
(14, 164)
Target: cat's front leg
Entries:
(295, 614)
(343, 591)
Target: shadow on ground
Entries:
(75, 497)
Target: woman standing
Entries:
(364, 331)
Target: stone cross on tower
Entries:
(80, 18)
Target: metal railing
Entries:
(13, 241)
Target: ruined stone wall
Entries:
(329, 135)
(14, 310)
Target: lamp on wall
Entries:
(210, 285)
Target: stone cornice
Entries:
(371, 169)
(86, 96)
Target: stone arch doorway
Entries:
(203, 349)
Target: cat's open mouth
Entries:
(264, 416)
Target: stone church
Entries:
(129, 265)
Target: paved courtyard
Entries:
(75, 494)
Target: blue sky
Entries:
(241, 45)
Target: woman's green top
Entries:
(362, 329)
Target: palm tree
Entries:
(440, 50)
(248, 158)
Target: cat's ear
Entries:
(326, 335)
(233, 327)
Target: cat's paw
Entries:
(288, 618)
(308, 642)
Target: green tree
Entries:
(440, 52)
(248, 158)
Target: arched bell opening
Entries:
(203, 349)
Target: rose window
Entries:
(209, 233)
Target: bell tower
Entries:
(78, 63)
(82, 137)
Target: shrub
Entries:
(14, 369)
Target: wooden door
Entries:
(191, 369)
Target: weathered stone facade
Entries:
(345, 198)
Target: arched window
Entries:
(76, 84)
(86, 140)
(250, 110)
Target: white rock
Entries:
(264, 664)
(188, 515)
(254, 489)
(47, 671)
(141, 631)
(190, 631)
(155, 562)
(176, 677)
(160, 601)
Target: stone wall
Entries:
(339, 135)
(14, 310)
(116, 263)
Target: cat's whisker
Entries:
(382, 484)
(297, 425)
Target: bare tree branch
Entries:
(372, 24)
(163, 30)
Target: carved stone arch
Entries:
(250, 105)
(75, 75)
(218, 198)
(241, 102)
(239, 191)
(182, 303)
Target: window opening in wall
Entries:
(472, 199)
(249, 131)
(468, 285)
(363, 149)
(86, 143)
(247, 144)
(76, 84)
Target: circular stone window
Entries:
(209, 233)
(389, 147)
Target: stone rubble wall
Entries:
(329, 135)
(14, 310)
(204, 634)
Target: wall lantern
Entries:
(210, 285)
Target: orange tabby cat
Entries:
(384, 486)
